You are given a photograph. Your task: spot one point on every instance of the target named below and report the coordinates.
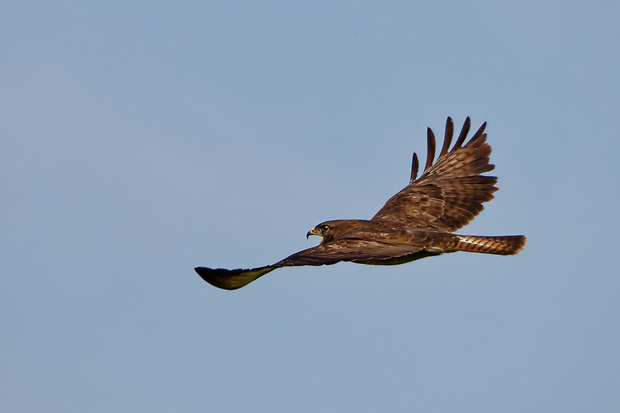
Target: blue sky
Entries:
(141, 139)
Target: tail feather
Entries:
(502, 245)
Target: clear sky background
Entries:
(141, 139)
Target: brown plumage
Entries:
(415, 223)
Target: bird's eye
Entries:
(324, 228)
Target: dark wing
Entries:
(231, 279)
(356, 250)
(450, 192)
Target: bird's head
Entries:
(326, 230)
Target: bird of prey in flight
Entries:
(417, 222)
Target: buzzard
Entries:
(417, 222)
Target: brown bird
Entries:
(417, 222)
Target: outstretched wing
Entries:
(357, 250)
(450, 192)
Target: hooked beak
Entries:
(311, 232)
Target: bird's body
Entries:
(415, 223)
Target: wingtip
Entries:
(231, 279)
(463, 134)
(447, 140)
(430, 154)
(479, 137)
(414, 168)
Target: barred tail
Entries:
(503, 245)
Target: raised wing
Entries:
(450, 191)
